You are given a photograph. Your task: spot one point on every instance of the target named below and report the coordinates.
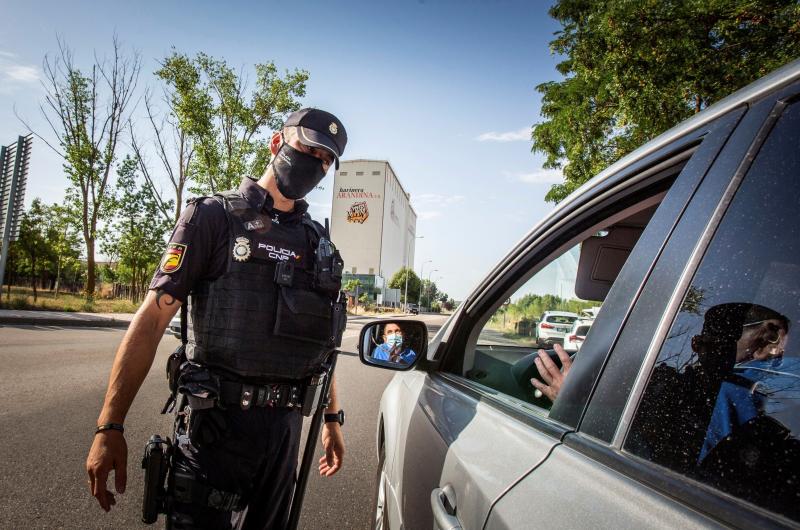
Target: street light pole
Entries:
(405, 293)
(421, 269)
(429, 286)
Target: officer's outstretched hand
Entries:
(333, 442)
(109, 451)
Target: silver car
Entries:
(680, 409)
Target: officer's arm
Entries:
(131, 364)
(136, 353)
(332, 439)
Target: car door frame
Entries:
(607, 417)
(697, 149)
(694, 152)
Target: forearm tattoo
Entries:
(169, 300)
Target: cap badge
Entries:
(333, 128)
(241, 249)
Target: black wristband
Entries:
(110, 427)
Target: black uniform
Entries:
(258, 328)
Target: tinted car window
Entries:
(582, 331)
(561, 319)
(723, 401)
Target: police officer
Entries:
(261, 326)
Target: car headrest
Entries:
(602, 257)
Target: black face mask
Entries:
(297, 173)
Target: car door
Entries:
(691, 425)
(478, 427)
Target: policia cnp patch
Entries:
(173, 258)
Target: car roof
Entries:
(561, 313)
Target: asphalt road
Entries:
(52, 383)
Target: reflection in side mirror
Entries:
(393, 344)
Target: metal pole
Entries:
(428, 289)
(12, 195)
(308, 452)
(422, 268)
(405, 292)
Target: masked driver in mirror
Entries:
(393, 349)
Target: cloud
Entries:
(436, 199)
(430, 205)
(541, 176)
(520, 135)
(426, 216)
(14, 74)
(23, 74)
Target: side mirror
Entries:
(393, 344)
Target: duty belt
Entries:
(275, 395)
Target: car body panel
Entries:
(453, 437)
(554, 495)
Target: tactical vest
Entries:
(246, 324)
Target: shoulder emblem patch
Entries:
(173, 258)
(241, 249)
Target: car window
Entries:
(722, 404)
(582, 330)
(539, 314)
(561, 320)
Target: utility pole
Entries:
(428, 290)
(405, 293)
(422, 268)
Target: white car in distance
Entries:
(553, 326)
(576, 336)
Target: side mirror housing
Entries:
(393, 344)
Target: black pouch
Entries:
(206, 426)
(338, 322)
(304, 315)
(174, 362)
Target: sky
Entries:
(443, 90)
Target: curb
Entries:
(66, 322)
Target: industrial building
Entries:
(372, 223)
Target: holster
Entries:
(156, 463)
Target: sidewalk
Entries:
(69, 319)
(109, 320)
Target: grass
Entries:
(22, 298)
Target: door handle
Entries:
(443, 504)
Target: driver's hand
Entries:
(549, 372)
(109, 451)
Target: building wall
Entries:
(357, 215)
(398, 233)
(372, 224)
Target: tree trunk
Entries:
(33, 277)
(90, 269)
(58, 276)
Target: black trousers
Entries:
(257, 458)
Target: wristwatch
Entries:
(338, 417)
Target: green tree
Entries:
(136, 232)
(430, 293)
(224, 119)
(86, 113)
(398, 281)
(634, 69)
(33, 241)
(64, 240)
